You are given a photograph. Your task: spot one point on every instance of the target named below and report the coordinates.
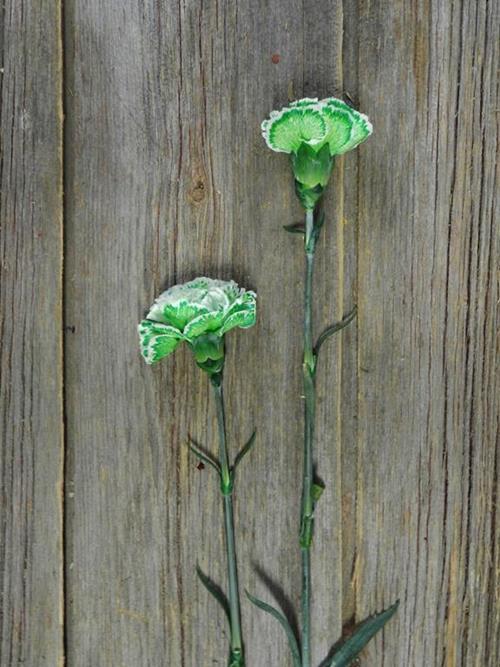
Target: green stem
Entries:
(236, 658)
(307, 507)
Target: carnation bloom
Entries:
(313, 132)
(316, 123)
(199, 312)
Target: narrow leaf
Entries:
(203, 456)
(317, 491)
(329, 331)
(244, 451)
(296, 228)
(215, 590)
(360, 638)
(292, 640)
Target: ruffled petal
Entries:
(209, 322)
(361, 128)
(243, 318)
(338, 128)
(157, 340)
(198, 309)
(287, 129)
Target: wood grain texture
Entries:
(185, 185)
(428, 256)
(31, 406)
(167, 177)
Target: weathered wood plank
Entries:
(31, 408)
(168, 177)
(428, 381)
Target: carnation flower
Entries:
(313, 132)
(198, 312)
(316, 123)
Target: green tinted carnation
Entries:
(316, 123)
(198, 312)
(313, 132)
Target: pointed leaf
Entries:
(329, 331)
(317, 491)
(296, 228)
(215, 590)
(360, 638)
(292, 640)
(244, 451)
(203, 456)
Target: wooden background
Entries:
(132, 159)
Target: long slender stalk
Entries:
(307, 507)
(236, 658)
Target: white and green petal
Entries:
(338, 128)
(361, 128)
(242, 314)
(207, 323)
(285, 130)
(246, 300)
(198, 311)
(305, 102)
(157, 340)
(243, 319)
(178, 305)
(315, 123)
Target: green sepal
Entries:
(216, 379)
(208, 346)
(214, 590)
(308, 197)
(312, 172)
(353, 646)
(317, 491)
(204, 456)
(211, 366)
(281, 618)
(296, 228)
(208, 351)
(312, 168)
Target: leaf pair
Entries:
(349, 649)
(210, 460)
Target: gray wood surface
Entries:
(166, 177)
(31, 370)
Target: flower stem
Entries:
(236, 658)
(307, 506)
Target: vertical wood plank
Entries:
(347, 363)
(428, 388)
(31, 410)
